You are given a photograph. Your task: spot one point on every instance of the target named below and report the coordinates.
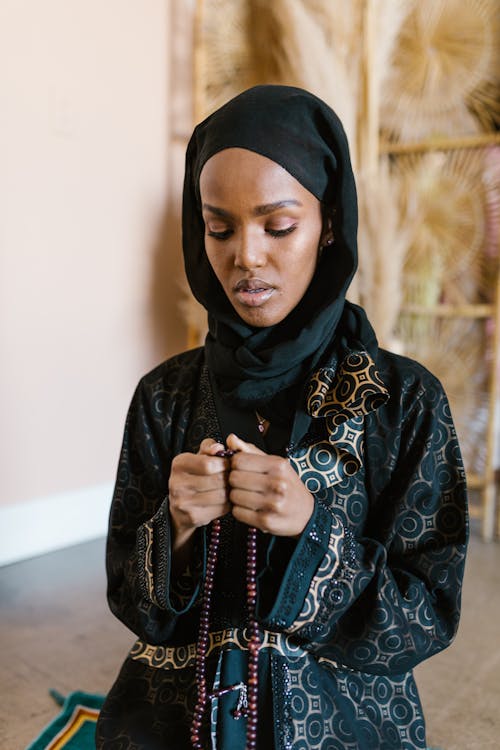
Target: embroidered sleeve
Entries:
(140, 592)
(309, 552)
(154, 566)
(327, 586)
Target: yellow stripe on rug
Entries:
(80, 715)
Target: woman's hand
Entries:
(266, 492)
(198, 490)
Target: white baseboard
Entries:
(49, 523)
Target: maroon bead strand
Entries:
(203, 637)
(253, 640)
(202, 643)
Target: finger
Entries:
(261, 463)
(187, 491)
(205, 482)
(209, 502)
(209, 447)
(260, 502)
(198, 463)
(183, 496)
(247, 499)
(252, 518)
(237, 444)
(196, 516)
(256, 481)
(245, 515)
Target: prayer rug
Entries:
(74, 727)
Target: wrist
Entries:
(307, 517)
(182, 538)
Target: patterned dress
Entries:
(371, 588)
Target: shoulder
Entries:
(414, 391)
(163, 398)
(181, 368)
(174, 378)
(405, 376)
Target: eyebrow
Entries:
(265, 208)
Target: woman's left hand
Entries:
(266, 492)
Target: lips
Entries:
(252, 285)
(253, 292)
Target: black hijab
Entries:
(303, 135)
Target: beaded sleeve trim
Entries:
(325, 571)
(309, 553)
(325, 587)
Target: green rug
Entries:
(74, 727)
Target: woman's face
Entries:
(263, 231)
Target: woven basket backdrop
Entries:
(428, 222)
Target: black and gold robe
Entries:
(371, 588)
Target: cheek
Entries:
(309, 267)
(300, 272)
(213, 256)
(309, 260)
(219, 263)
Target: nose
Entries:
(249, 252)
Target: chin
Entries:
(260, 318)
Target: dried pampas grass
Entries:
(304, 43)
(445, 70)
(454, 351)
(383, 239)
(491, 183)
(389, 17)
(241, 43)
(382, 20)
(457, 207)
(223, 54)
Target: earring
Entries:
(328, 243)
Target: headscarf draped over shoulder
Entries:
(303, 135)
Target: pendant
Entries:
(261, 423)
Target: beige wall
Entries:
(84, 234)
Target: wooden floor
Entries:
(56, 632)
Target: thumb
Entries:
(235, 443)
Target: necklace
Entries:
(247, 703)
(262, 423)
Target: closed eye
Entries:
(223, 235)
(282, 232)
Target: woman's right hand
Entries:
(198, 490)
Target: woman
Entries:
(288, 531)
